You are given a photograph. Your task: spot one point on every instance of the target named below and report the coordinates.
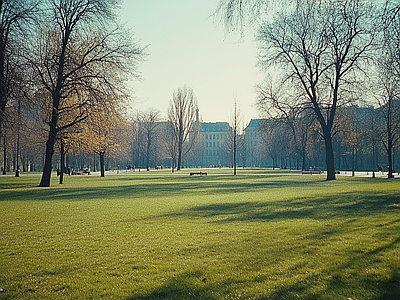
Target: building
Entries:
(214, 143)
(254, 146)
(211, 144)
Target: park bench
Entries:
(310, 172)
(198, 173)
(84, 172)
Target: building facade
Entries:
(254, 145)
(214, 143)
(214, 147)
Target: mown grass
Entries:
(217, 237)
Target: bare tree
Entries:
(15, 16)
(388, 81)
(241, 14)
(170, 143)
(280, 105)
(235, 139)
(319, 46)
(182, 115)
(150, 121)
(82, 59)
(138, 141)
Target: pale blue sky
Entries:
(186, 46)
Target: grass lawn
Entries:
(147, 236)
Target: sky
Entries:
(186, 46)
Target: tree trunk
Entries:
(390, 162)
(374, 159)
(3, 87)
(330, 161)
(172, 165)
(102, 172)
(148, 154)
(46, 176)
(56, 97)
(353, 165)
(390, 144)
(17, 170)
(4, 154)
(180, 146)
(234, 154)
(62, 162)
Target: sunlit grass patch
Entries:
(215, 237)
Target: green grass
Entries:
(217, 237)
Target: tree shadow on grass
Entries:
(150, 186)
(186, 286)
(191, 286)
(346, 277)
(23, 182)
(349, 204)
(337, 288)
(340, 285)
(334, 282)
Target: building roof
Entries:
(215, 126)
(255, 123)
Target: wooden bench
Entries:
(198, 173)
(310, 172)
(80, 173)
(84, 172)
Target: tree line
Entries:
(321, 59)
(63, 69)
(331, 87)
(358, 143)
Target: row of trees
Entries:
(63, 68)
(149, 142)
(173, 139)
(64, 64)
(145, 141)
(322, 56)
(359, 142)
